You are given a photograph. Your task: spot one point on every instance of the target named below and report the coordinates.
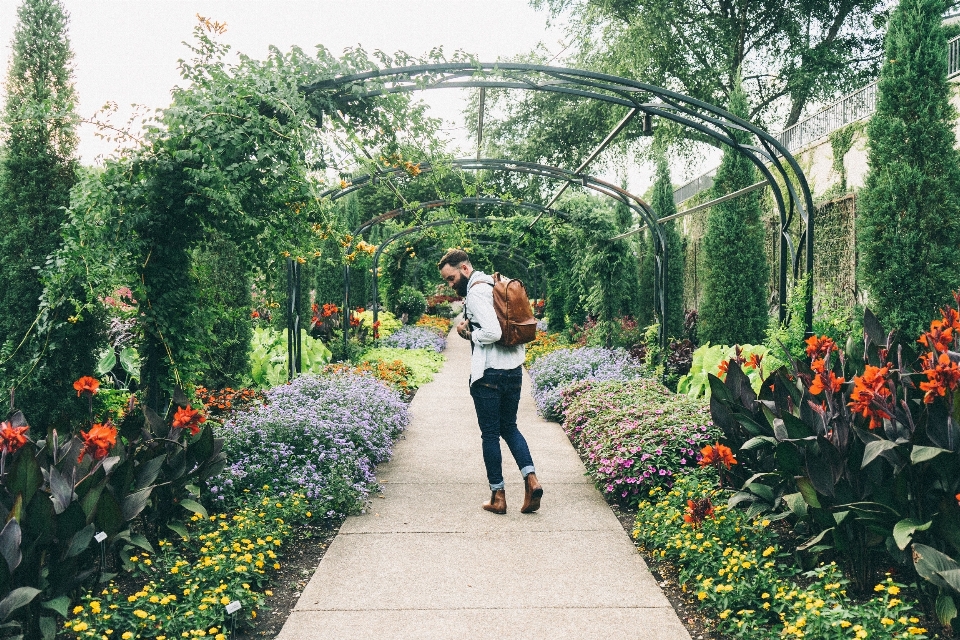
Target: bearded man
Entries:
(496, 378)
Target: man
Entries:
(496, 376)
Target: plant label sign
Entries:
(233, 607)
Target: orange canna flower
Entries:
(942, 375)
(188, 418)
(11, 437)
(98, 441)
(754, 361)
(868, 391)
(940, 336)
(86, 384)
(698, 511)
(957, 498)
(717, 454)
(819, 347)
(722, 368)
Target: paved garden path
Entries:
(426, 562)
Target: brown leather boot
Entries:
(531, 499)
(498, 502)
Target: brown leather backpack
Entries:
(510, 301)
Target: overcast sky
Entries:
(127, 50)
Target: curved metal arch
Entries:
(635, 203)
(708, 119)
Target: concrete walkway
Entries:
(426, 562)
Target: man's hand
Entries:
(463, 329)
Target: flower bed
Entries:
(409, 337)
(182, 589)
(748, 584)
(423, 363)
(436, 323)
(552, 372)
(634, 434)
(319, 435)
(543, 344)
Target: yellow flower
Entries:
(724, 614)
(893, 590)
(140, 613)
(77, 609)
(886, 621)
(768, 551)
(80, 626)
(880, 587)
(126, 635)
(268, 592)
(845, 623)
(862, 633)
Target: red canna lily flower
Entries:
(823, 379)
(722, 368)
(188, 418)
(819, 347)
(717, 455)
(698, 511)
(939, 338)
(957, 498)
(869, 390)
(942, 375)
(86, 384)
(754, 361)
(98, 441)
(254, 314)
(11, 437)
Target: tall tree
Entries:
(734, 307)
(909, 218)
(664, 206)
(37, 171)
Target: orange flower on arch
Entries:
(98, 441)
(717, 455)
(11, 437)
(86, 384)
(868, 391)
(188, 418)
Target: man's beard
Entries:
(460, 286)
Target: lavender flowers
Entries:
(413, 337)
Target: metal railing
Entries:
(853, 107)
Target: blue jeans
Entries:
(496, 397)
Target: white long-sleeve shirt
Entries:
(485, 330)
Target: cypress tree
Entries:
(909, 218)
(37, 170)
(734, 306)
(664, 206)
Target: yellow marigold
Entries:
(893, 589)
(886, 621)
(140, 613)
(126, 635)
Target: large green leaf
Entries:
(922, 454)
(10, 544)
(133, 504)
(808, 492)
(80, 541)
(24, 475)
(875, 448)
(59, 605)
(903, 531)
(929, 563)
(17, 598)
(106, 363)
(946, 609)
(194, 506)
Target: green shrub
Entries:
(268, 356)
(411, 302)
(388, 322)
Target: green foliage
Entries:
(707, 361)
(42, 350)
(410, 302)
(268, 356)
(734, 307)
(747, 582)
(58, 490)
(423, 363)
(225, 302)
(841, 142)
(908, 221)
(866, 469)
(663, 205)
(830, 318)
(388, 322)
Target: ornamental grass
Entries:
(748, 585)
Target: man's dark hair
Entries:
(454, 258)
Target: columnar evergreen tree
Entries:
(909, 218)
(734, 307)
(37, 170)
(663, 204)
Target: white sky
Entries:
(126, 51)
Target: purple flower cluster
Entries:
(635, 434)
(412, 337)
(319, 435)
(558, 369)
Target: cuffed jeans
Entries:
(496, 397)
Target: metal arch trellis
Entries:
(639, 97)
(638, 205)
